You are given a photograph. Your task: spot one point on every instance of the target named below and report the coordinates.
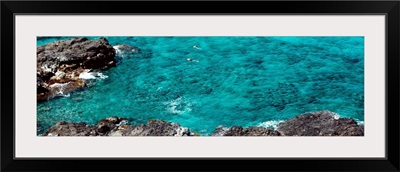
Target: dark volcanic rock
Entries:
(240, 131)
(220, 131)
(105, 126)
(323, 123)
(59, 89)
(261, 131)
(61, 62)
(93, 54)
(157, 128)
(115, 126)
(71, 129)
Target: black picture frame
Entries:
(10, 8)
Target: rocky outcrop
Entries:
(240, 131)
(156, 128)
(59, 64)
(323, 123)
(71, 129)
(115, 126)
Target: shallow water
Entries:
(245, 81)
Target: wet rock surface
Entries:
(60, 63)
(71, 129)
(240, 131)
(157, 128)
(323, 123)
(114, 126)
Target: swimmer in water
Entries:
(196, 47)
(190, 60)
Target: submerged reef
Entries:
(61, 65)
(322, 123)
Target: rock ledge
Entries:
(59, 64)
(323, 123)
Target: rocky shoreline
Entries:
(322, 123)
(61, 65)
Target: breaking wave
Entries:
(92, 75)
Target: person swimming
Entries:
(196, 47)
(191, 60)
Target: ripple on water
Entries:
(233, 81)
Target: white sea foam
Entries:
(92, 75)
(101, 75)
(120, 52)
(60, 87)
(86, 75)
(117, 49)
(172, 106)
(65, 95)
(335, 115)
(359, 122)
(180, 131)
(270, 124)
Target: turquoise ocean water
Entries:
(244, 81)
